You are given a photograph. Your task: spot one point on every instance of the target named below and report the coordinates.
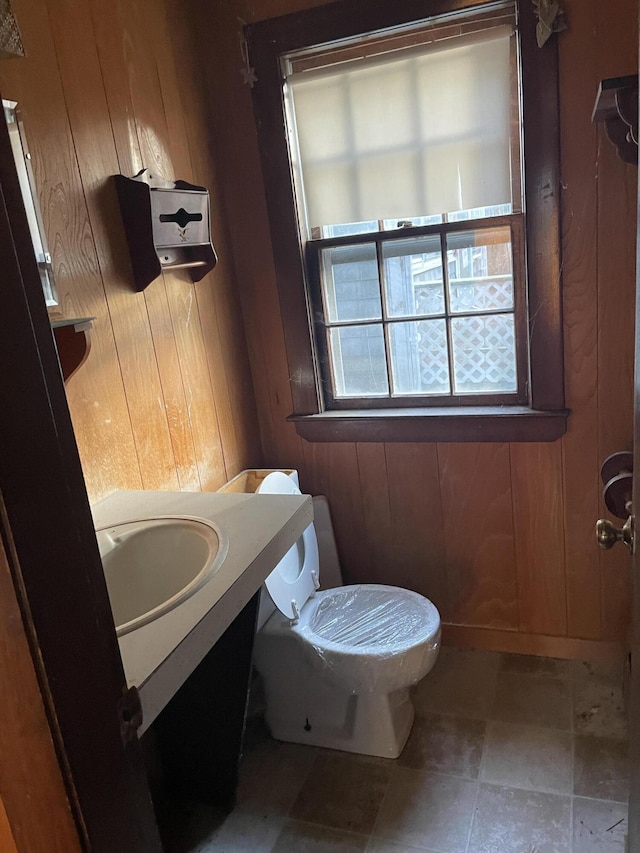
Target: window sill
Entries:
(468, 423)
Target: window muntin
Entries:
(428, 319)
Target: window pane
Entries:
(480, 270)
(350, 283)
(413, 277)
(484, 356)
(359, 362)
(419, 359)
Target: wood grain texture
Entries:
(81, 77)
(165, 400)
(617, 194)
(519, 643)
(7, 841)
(419, 560)
(97, 401)
(536, 476)
(219, 301)
(35, 816)
(475, 487)
(580, 451)
(237, 151)
(166, 153)
(332, 470)
(374, 478)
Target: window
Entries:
(401, 223)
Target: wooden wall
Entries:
(499, 536)
(35, 816)
(165, 400)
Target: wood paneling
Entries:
(520, 643)
(416, 522)
(580, 452)
(501, 538)
(165, 400)
(617, 195)
(332, 470)
(478, 534)
(35, 816)
(536, 476)
(7, 842)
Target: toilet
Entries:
(337, 664)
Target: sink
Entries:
(152, 565)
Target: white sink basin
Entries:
(152, 565)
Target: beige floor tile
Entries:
(298, 837)
(462, 682)
(541, 701)
(599, 708)
(426, 810)
(445, 744)
(342, 792)
(382, 845)
(534, 665)
(272, 774)
(509, 820)
(468, 659)
(528, 757)
(598, 826)
(243, 831)
(601, 768)
(608, 671)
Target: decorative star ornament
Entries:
(550, 19)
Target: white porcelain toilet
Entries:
(337, 664)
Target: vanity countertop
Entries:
(160, 656)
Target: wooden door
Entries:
(634, 732)
(47, 531)
(634, 797)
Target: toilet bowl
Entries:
(337, 664)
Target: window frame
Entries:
(313, 252)
(543, 417)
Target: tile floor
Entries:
(508, 754)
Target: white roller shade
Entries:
(423, 132)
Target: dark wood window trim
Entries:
(544, 419)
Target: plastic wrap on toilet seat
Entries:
(354, 629)
(367, 638)
(362, 616)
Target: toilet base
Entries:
(367, 724)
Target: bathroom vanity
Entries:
(191, 666)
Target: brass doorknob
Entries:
(607, 534)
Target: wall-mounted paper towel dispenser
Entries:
(167, 226)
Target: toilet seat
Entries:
(372, 619)
(296, 577)
(350, 650)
